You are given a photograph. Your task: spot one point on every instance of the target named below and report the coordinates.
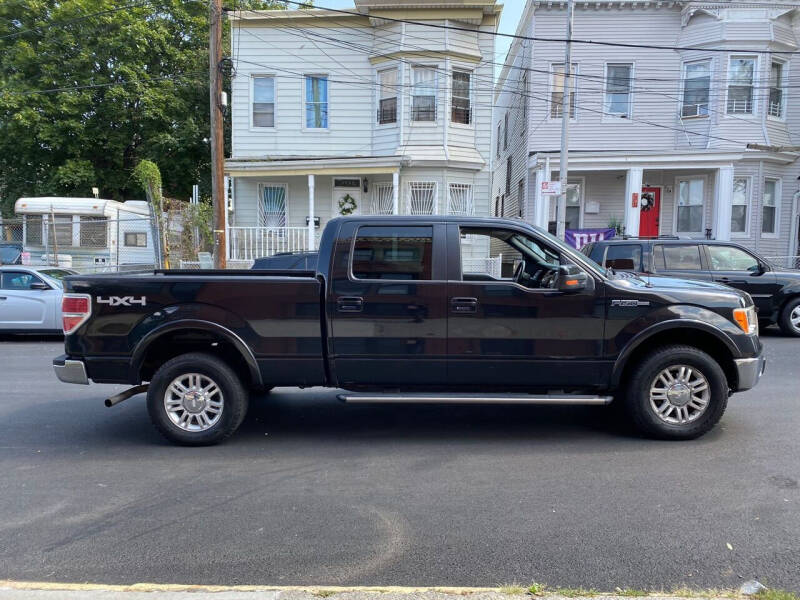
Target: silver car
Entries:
(30, 298)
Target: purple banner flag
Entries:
(578, 238)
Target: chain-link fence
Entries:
(785, 262)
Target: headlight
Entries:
(746, 319)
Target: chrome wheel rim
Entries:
(794, 318)
(679, 394)
(193, 402)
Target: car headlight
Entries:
(746, 319)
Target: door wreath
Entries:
(347, 205)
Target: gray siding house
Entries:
(689, 142)
(336, 113)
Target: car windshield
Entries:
(55, 276)
(8, 254)
(571, 252)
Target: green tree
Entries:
(137, 88)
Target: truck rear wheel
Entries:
(196, 400)
(677, 393)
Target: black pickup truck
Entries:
(415, 309)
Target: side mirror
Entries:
(39, 285)
(571, 279)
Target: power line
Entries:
(305, 5)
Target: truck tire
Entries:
(196, 399)
(676, 393)
(789, 320)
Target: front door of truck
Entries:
(386, 305)
(507, 325)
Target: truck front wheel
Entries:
(676, 392)
(196, 400)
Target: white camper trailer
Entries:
(86, 234)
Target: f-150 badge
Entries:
(630, 303)
(122, 300)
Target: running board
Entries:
(569, 399)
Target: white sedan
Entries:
(30, 298)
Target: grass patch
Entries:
(536, 589)
(630, 592)
(324, 593)
(513, 589)
(575, 592)
(776, 595)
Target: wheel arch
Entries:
(194, 335)
(690, 333)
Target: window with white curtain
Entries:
(272, 205)
(263, 101)
(459, 199)
(387, 104)
(769, 207)
(690, 206)
(739, 205)
(618, 89)
(423, 94)
(422, 198)
(741, 72)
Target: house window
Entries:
(387, 104)
(777, 83)
(462, 105)
(557, 90)
(423, 99)
(499, 130)
(63, 230)
(272, 205)
(520, 196)
(263, 102)
(524, 100)
(316, 101)
(93, 232)
(497, 206)
(740, 85)
(739, 205)
(696, 89)
(33, 229)
(422, 198)
(508, 176)
(135, 239)
(690, 206)
(618, 89)
(769, 207)
(573, 214)
(459, 199)
(505, 132)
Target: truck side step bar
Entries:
(569, 399)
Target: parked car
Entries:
(301, 261)
(10, 253)
(775, 291)
(30, 298)
(390, 316)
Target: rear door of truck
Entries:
(387, 303)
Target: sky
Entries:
(512, 11)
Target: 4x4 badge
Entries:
(122, 300)
(630, 303)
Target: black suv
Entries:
(775, 292)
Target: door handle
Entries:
(463, 305)
(350, 304)
(729, 280)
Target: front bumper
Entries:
(70, 371)
(749, 371)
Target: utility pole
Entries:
(217, 140)
(561, 211)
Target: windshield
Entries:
(56, 275)
(571, 252)
(8, 254)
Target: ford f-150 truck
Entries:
(416, 309)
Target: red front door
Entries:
(650, 204)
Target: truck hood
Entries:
(686, 290)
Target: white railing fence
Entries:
(248, 243)
(785, 262)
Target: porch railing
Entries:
(248, 243)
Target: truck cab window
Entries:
(507, 255)
(394, 253)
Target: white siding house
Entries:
(337, 113)
(675, 127)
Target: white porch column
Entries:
(310, 244)
(633, 185)
(723, 197)
(540, 201)
(395, 193)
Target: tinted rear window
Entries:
(624, 257)
(403, 253)
(678, 258)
